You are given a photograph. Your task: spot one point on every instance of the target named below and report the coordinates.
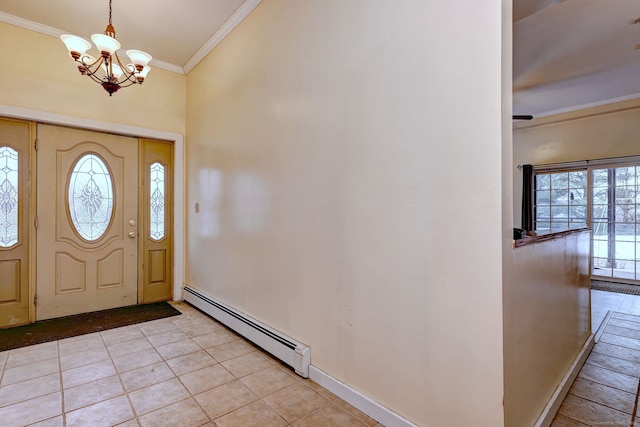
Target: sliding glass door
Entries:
(614, 223)
(606, 198)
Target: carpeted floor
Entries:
(621, 288)
(71, 326)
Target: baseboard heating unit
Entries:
(291, 352)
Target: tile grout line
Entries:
(63, 413)
(635, 407)
(124, 390)
(191, 395)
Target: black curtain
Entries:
(527, 197)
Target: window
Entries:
(560, 201)
(157, 198)
(8, 197)
(90, 200)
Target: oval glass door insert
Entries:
(90, 197)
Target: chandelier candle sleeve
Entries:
(107, 70)
(105, 44)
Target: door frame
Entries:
(9, 111)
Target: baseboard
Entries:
(358, 400)
(603, 325)
(551, 409)
(288, 350)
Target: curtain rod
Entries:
(594, 162)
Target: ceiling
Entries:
(568, 54)
(571, 54)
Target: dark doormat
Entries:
(621, 288)
(80, 324)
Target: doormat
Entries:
(621, 288)
(80, 324)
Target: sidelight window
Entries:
(8, 196)
(157, 198)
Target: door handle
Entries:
(132, 234)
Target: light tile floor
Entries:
(186, 370)
(605, 394)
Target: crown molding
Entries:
(30, 25)
(167, 66)
(226, 28)
(588, 105)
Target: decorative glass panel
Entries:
(90, 197)
(8, 197)
(157, 201)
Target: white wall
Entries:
(346, 158)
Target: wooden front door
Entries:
(87, 198)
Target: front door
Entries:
(87, 231)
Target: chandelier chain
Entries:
(110, 23)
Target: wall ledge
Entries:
(358, 400)
(547, 236)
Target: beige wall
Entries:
(347, 166)
(547, 321)
(596, 133)
(38, 74)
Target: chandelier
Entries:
(107, 70)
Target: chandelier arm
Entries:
(127, 83)
(96, 62)
(92, 69)
(94, 77)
